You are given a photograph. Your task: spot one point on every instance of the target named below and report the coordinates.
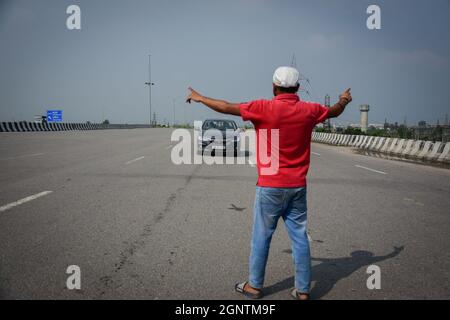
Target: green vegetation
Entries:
(352, 131)
(395, 131)
(184, 126)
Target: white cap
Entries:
(286, 77)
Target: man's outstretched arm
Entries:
(338, 108)
(221, 106)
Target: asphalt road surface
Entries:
(140, 227)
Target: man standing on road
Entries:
(281, 193)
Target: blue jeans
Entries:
(271, 204)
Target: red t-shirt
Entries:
(295, 120)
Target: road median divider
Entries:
(396, 148)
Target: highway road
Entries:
(140, 227)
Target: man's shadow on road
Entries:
(329, 271)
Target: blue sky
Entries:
(225, 49)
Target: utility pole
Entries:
(173, 100)
(184, 114)
(150, 84)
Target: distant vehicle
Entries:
(40, 119)
(219, 134)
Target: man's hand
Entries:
(221, 106)
(194, 95)
(338, 108)
(346, 95)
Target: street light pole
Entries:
(174, 100)
(150, 84)
(150, 87)
(173, 112)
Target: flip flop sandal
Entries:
(295, 295)
(239, 287)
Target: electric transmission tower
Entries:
(305, 84)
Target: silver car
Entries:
(219, 134)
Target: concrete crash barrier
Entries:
(371, 143)
(356, 141)
(347, 140)
(393, 145)
(3, 127)
(368, 143)
(416, 150)
(399, 147)
(424, 151)
(386, 145)
(408, 146)
(24, 126)
(335, 138)
(343, 140)
(353, 140)
(330, 138)
(445, 154)
(362, 141)
(379, 145)
(434, 153)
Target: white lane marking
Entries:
(373, 170)
(22, 201)
(24, 156)
(315, 153)
(309, 237)
(414, 201)
(251, 163)
(134, 160)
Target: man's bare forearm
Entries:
(221, 106)
(338, 108)
(344, 99)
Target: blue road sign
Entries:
(54, 115)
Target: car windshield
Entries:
(219, 125)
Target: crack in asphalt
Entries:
(126, 254)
